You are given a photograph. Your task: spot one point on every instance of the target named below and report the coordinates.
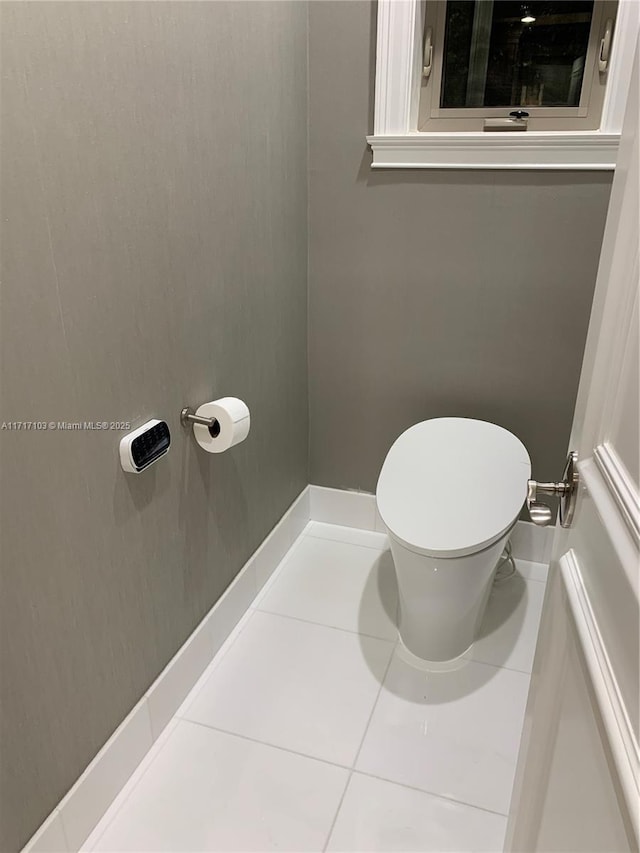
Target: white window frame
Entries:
(397, 144)
(592, 88)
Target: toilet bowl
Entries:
(449, 492)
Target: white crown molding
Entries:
(396, 143)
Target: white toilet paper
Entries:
(234, 421)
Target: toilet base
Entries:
(442, 601)
(432, 665)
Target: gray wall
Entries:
(154, 199)
(434, 293)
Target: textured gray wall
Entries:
(154, 200)
(434, 293)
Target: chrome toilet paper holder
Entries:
(188, 417)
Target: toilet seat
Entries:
(450, 487)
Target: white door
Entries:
(577, 780)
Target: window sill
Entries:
(580, 150)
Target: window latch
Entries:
(518, 121)
(605, 46)
(427, 59)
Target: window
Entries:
(439, 120)
(493, 58)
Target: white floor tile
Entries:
(211, 791)
(350, 535)
(451, 733)
(304, 687)
(509, 630)
(333, 583)
(382, 816)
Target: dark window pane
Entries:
(495, 59)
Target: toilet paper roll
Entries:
(233, 420)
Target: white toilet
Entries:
(449, 492)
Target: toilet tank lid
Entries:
(451, 486)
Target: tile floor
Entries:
(308, 731)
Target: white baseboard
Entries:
(358, 509)
(72, 821)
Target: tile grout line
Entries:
(375, 704)
(324, 625)
(470, 659)
(384, 639)
(350, 769)
(339, 807)
(381, 639)
(312, 535)
(362, 739)
(264, 743)
(499, 666)
(430, 793)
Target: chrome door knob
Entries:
(567, 490)
(539, 513)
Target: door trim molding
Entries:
(620, 485)
(619, 730)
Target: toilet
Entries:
(449, 493)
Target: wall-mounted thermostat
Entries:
(143, 446)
